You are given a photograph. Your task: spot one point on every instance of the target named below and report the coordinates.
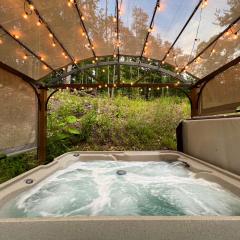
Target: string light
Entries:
(105, 85)
(100, 86)
(25, 57)
(150, 30)
(204, 3)
(75, 61)
(93, 61)
(50, 35)
(82, 17)
(114, 55)
(235, 36)
(149, 59)
(39, 23)
(16, 36)
(42, 58)
(45, 67)
(114, 19)
(176, 68)
(103, 70)
(54, 44)
(25, 16)
(114, 85)
(31, 7)
(163, 62)
(96, 58)
(1, 41)
(158, 88)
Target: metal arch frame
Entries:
(110, 63)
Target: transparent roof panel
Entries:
(208, 21)
(224, 50)
(12, 54)
(63, 18)
(18, 19)
(168, 22)
(135, 17)
(98, 19)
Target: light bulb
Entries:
(31, 7)
(25, 57)
(25, 16)
(39, 23)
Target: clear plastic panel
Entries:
(168, 22)
(207, 23)
(15, 56)
(135, 17)
(14, 19)
(220, 53)
(65, 22)
(221, 94)
(98, 19)
(18, 121)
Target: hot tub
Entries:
(122, 195)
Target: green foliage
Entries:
(102, 123)
(15, 165)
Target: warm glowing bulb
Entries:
(103, 70)
(92, 47)
(38, 23)
(63, 53)
(54, 44)
(96, 58)
(114, 19)
(1, 41)
(50, 35)
(75, 61)
(149, 59)
(93, 61)
(69, 4)
(114, 55)
(114, 85)
(167, 87)
(150, 30)
(83, 34)
(167, 54)
(163, 62)
(45, 67)
(65, 56)
(105, 85)
(158, 88)
(235, 36)
(176, 68)
(25, 16)
(16, 36)
(42, 58)
(82, 17)
(100, 86)
(149, 89)
(31, 7)
(25, 57)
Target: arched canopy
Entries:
(40, 37)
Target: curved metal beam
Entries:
(135, 64)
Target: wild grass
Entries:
(102, 123)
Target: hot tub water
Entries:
(146, 188)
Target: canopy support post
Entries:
(42, 125)
(194, 102)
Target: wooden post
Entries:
(42, 126)
(194, 102)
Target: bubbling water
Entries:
(145, 189)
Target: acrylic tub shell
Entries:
(124, 227)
